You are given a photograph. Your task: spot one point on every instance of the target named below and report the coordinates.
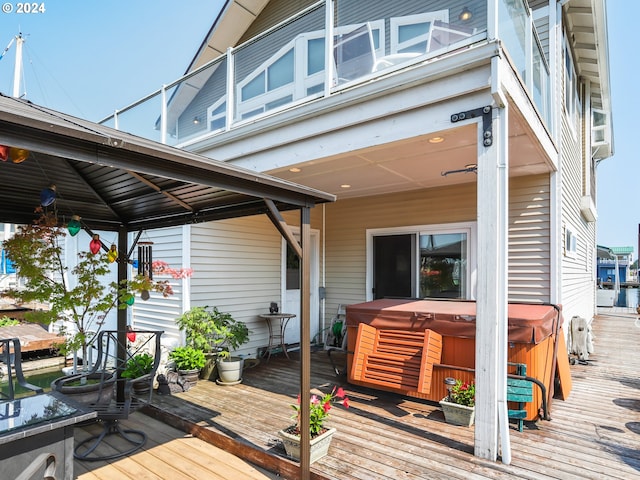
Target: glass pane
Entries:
(254, 88)
(415, 48)
(315, 56)
(407, 32)
(293, 270)
(281, 72)
(443, 265)
(394, 266)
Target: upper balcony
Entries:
(324, 49)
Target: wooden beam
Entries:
(276, 218)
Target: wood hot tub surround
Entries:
(532, 330)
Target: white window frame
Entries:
(570, 242)
(572, 104)
(468, 228)
(396, 22)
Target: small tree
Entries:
(37, 253)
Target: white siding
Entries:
(529, 237)
(237, 269)
(159, 313)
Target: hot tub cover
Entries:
(528, 323)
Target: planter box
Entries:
(319, 444)
(457, 414)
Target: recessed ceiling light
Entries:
(294, 170)
(436, 140)
(345, 185)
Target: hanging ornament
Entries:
(48, 196)
(18, 155)
(112, 254)
(134, 263)
(95, 244)
(129, 298)
(131, 335)
(74, 225)
(144, 295)
(4, 153)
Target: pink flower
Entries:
(340, 392)
(345, 402)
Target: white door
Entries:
(291, 289)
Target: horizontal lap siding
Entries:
(529, 239)
(578, 278)
(159, 313)
(237, 265)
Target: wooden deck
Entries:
(594, 434)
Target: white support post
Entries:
(491, 305)
(329, 66)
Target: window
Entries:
(571, 98)
(599, 128)
(410, 34)
(570, 242)
(432, 261)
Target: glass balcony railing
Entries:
(517, 31)
(293, 63)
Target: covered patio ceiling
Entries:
(115, 180)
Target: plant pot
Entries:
(209, 371)
(141, 388)
(319, 445)
(230, 370)
(457, 414)
(98, 392)
(190, 376)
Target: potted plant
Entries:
(188, 361)
(137, 367)
(319, 407)
(215, 333)
(459, 405)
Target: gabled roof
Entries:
(113, 179)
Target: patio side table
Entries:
(276, 332)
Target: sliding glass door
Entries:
(421, 262)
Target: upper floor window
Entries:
(572, 104)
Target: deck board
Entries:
(593, 434)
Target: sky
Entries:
(89, 57)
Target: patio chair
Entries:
(130, 393)
(11, 358)
(336, 338)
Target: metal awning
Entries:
(117, 180)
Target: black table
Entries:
(36, 436)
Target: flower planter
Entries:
(319, 444)
(457, 414)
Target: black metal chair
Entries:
(118, 396)
(11, 358)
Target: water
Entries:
(41, 378)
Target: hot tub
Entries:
(532, 331)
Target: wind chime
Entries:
(145, 264)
